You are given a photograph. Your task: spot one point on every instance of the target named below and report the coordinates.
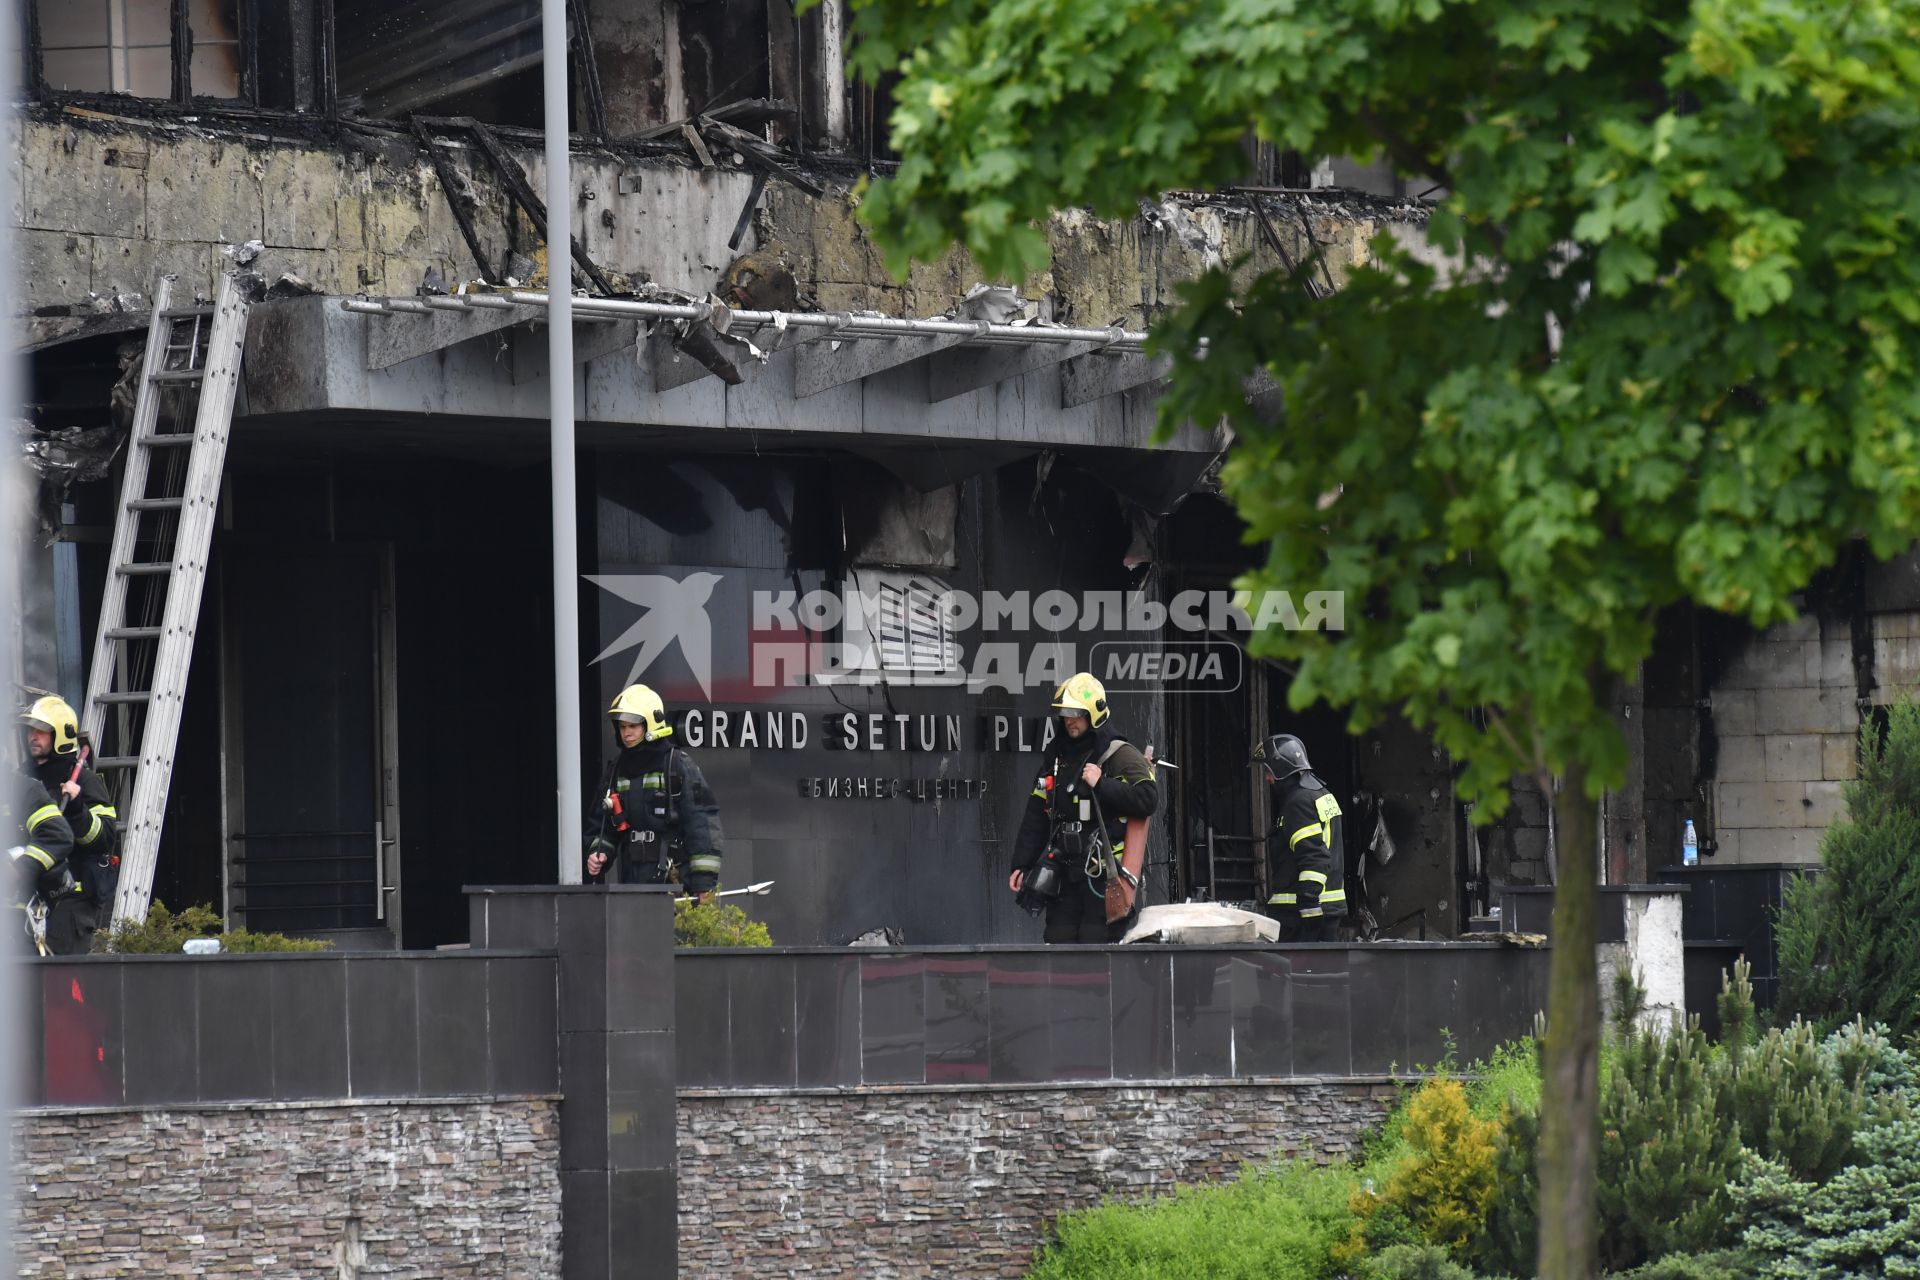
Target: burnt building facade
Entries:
(368, 723)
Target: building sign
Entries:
(759, 729)
(918, 789)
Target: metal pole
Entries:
(13, 992)
(566, 569)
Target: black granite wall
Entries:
(1005, 1015)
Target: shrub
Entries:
(1849, 939)
(1448, 1183)
(716, 924)
(1509, 1237)
(1415, 1262)
(1862, 1222)
(1721, 1264)
(1271, 1224)
(163, 932)
(1867, 1059)
(1666, 1153)
(1509, 1080)
(1678, 1121)
(1440, 1187)
(1787, 1098)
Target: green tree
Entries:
(1675, 359)
(1850, 939)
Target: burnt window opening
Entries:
(160, 49)
(758, 66)
(1269, 165)
(724, 53)
(754, 64)
(478, 58)
(873, 118)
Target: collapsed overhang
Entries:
(932, 400)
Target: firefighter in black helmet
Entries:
(656, 821)
(54, 759)
(1305, 851)
(1077, 814)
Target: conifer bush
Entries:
(1862, 1223)
(1677, 1121)
(1849, 939)
(1415, 1262)
(164, 932)
(1444, 1184)
(1720, 1264)
(1786, 1097)
(1666, 1156)
(716, 924)
(1509, 1238)
(1887, 1075)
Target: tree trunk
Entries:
(1570, 1103)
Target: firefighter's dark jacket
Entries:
(1308, 844)
(1127, 789)
(95, 823)
(45, 839)
(666, 805)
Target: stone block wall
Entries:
(1896, 652)
(416, 1189)
(1786, 715)
(1786, 721)
(960, 1183)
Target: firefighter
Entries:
(1077, 816)
(655, 821)
(39, 861)
(1305, 851)
(56, 761)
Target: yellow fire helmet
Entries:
(638, 704)
(53, 715)
(1084, 694)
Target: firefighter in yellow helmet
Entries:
(40, 878)
(57, 759)
(655, 821)
(1074, 831)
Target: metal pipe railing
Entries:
(836, 324)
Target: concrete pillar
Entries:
(1636, 929)
(619, 1201)
(1648, 947)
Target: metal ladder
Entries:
(158, 564)
(1236, 867)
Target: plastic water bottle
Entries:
(1689, 847)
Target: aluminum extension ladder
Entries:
(158, 565)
